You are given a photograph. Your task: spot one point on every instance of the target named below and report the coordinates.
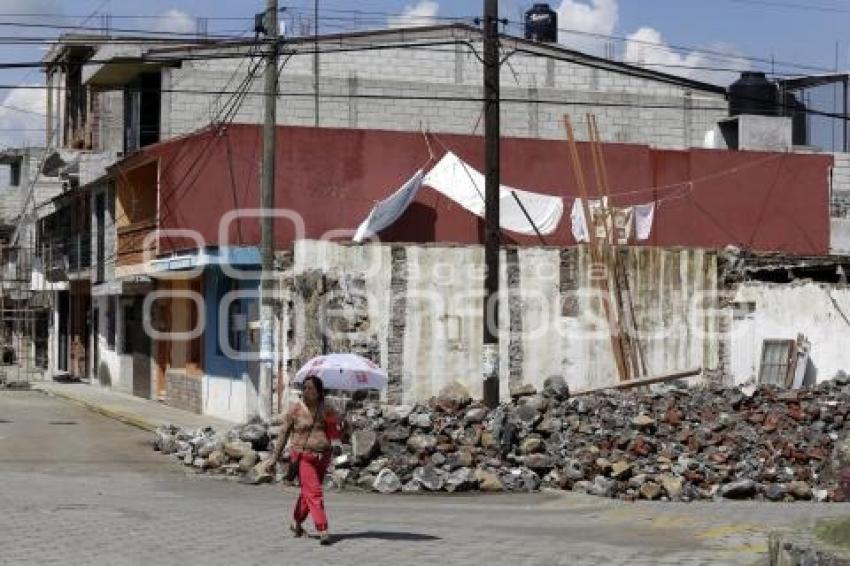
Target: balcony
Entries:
(136, 243)
(67, 258)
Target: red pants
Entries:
(311, 500)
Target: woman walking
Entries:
(314, 431)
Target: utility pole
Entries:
(267, 183)
(492, 236)
(316, 68)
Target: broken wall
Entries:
(770, 311)
(424, 308)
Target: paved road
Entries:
(78, 488)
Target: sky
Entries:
(785, 36)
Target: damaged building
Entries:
(731, 227)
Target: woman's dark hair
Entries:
(317, 382)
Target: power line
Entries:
(119, 16)
(433, 47)
(655, 45)
(673, 47)
(101, 30)
(22, 110)
(473, 99)
(794, 6)
(592, 62)
(688, 49)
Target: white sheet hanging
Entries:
(623, 225)
(579, 224)
(644, 216)
(641, 215)
(386, 212)
(463, 184)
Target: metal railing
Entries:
(71, 255)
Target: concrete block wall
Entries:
(184, 391)
(628, 109)
(12, 199)
(110, 134)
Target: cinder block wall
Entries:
(537, 92)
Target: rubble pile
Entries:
(676, 444)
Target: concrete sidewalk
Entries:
(135, 411)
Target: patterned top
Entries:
(307, 437)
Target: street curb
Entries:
(131, 420)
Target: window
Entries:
(15, 174)
(142, 105)
(235, 324)
(776, 359)
(100, 219)
(110, 322)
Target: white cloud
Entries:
(22, 119)
(589, 17)
(423, 13)
(647, 47)
(175, 21)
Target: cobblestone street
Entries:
(79, 488)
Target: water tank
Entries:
(753, 94)
(541, 24)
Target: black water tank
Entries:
(753, 94)
(541, 24)
(797, 111)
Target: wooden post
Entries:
(628, 326)
(595, 252)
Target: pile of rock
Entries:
(676, 444)
(234, 453)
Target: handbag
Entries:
(292, 470)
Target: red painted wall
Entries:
(332, 177)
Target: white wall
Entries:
(443, 313)
(786, 310)
(224, 397)
(53, 335)
(839, 236)
(121, 380)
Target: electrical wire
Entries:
(572, 31)
(355, 15)
(506, 100)
(794, 6)
(153, 33)
(355, 46)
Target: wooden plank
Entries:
(616, 346)
(626, 302)
(609, 248)
(642, 382)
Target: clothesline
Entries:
(616, 193)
